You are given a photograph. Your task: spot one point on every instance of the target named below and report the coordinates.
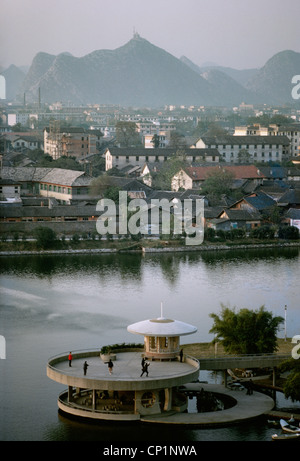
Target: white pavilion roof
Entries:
(161, 327)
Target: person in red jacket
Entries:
(70, 359)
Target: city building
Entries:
(291, 131)
(193, 177)
(119, 157)
(70, 141)
(248, 148)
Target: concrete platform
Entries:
(126, 372)
(126, 366)
(126, 376)
(247, 407)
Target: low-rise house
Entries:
(119, 157)
(194, 177)
(148, 172)
(64, 185)
(293, 217)
(290, 199)
(62, 213)
(27, 142)
(239, 218)
(257, 201)
(9, 191)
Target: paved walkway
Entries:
(126, 367)
(247, 407)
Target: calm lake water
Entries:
(52, 304)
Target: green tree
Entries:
(244, 156)
(163, 179)
(177, 140)
(291, 387)
(155, 141)
(127, 134)
(45, 237)
(246, 331)
(289, 233)
(217, 184)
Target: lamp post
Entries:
(285, 309)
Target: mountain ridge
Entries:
(141, 74)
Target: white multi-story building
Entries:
(291, 131)
(121, 157)
(242, 149)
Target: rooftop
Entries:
(161, 327)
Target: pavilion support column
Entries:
(225, 378)
(168, 399)
(70, 393)
(94, 399)
(274, 376)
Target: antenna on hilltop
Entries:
(135, 34)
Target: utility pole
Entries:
(285, 309)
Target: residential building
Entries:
(193, 177)
(27, 142)
(9, 191)
(239, 218)
(64, 185)
(163, 139)
(258, 201)
(293, 217)
(291, 131)
(71, 141)
(119, 157)
(245, 149)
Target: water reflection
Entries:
(52, 304)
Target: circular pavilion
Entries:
(125, 394)
(161, 336)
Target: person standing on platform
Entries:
(181, 354)
(70, 359)
(145, 368)
(85, 366)
(110, 366)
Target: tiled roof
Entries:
(242, 215)
(242, 140)
(165, 152)
(239, 171)
(291, 196)
(47, 175)
(44, 211)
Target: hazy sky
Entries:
(235, 33)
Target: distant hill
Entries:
(137, 74)
(272, 83)
(240, 76)
(142, 74)
(14, 78)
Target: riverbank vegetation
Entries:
(44, 238)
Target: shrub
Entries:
(45, 237)
(75, 238)
(289, 233)
(263, 233)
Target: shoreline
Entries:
(143, 250)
